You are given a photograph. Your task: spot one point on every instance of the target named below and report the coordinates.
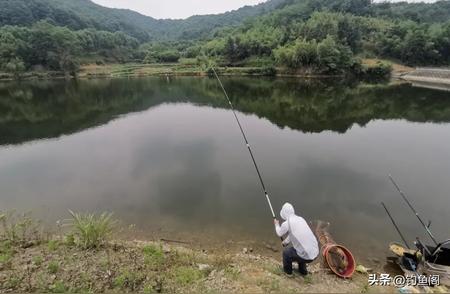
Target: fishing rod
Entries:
(247, 143)
(395, 225)
(427, 227)
(414, 270)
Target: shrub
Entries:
(91, 230)
(19, 229)
(15, 66)
(52, 245)
(37, 260)
(153, 255)
(58, 287)
(53, 267)
(258, 61)
(232, 273)
(301, 53)
(129, 280)
(380, 70)
(264, 71)
(13, 282)
(187, 275)
(5, 259)
(69, 240)
(168, 56)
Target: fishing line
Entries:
(246, 143)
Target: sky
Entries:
(177, 8)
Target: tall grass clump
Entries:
(19, 229)
(153, 255)
(91, 230)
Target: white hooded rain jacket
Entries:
(299, 233)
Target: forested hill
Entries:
(84, 14)
(302, 36)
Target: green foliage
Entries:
(60, 35)
(52, 245)
(59, 48)
(326, 35)
(58, 287)
(148, 289)
(6, 253)
(119, 282)
(232, 273)
(380, 70)
(129, 280)
(327, 55)
(5, 258)
(418, 49)
(53, 267)
(258, 61)
(37, 260)
(421, 12)
(301, 53)
(268, 71)
(19, 229)
(91, 230)
(82, 14)
(15, 66)
(185, 275)
(269, 285)
(168, 56)
(333, 56)
(13, 281)
(308, 279)
(55, 47)
(160, 52)
(69, 240)
(153, 255)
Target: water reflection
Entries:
(36, 110)
(168, 154)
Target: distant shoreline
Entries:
(129, 70)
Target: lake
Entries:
(166, 155)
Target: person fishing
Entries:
(305, 247)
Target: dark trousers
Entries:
(290, 256)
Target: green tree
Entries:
(168, 56)
(417, 48)
(321, 25)
(15, 66)
(300, 54)
(328, 54)
(349, 32)
(8, 46)
(332, 56)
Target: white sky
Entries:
(177, 8)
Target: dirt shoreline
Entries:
(91, 253)
(142, 266)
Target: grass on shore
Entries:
(34, 261)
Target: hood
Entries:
(286, 211)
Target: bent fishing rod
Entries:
(427, 227)
(246, 143)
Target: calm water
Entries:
(166, 155)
